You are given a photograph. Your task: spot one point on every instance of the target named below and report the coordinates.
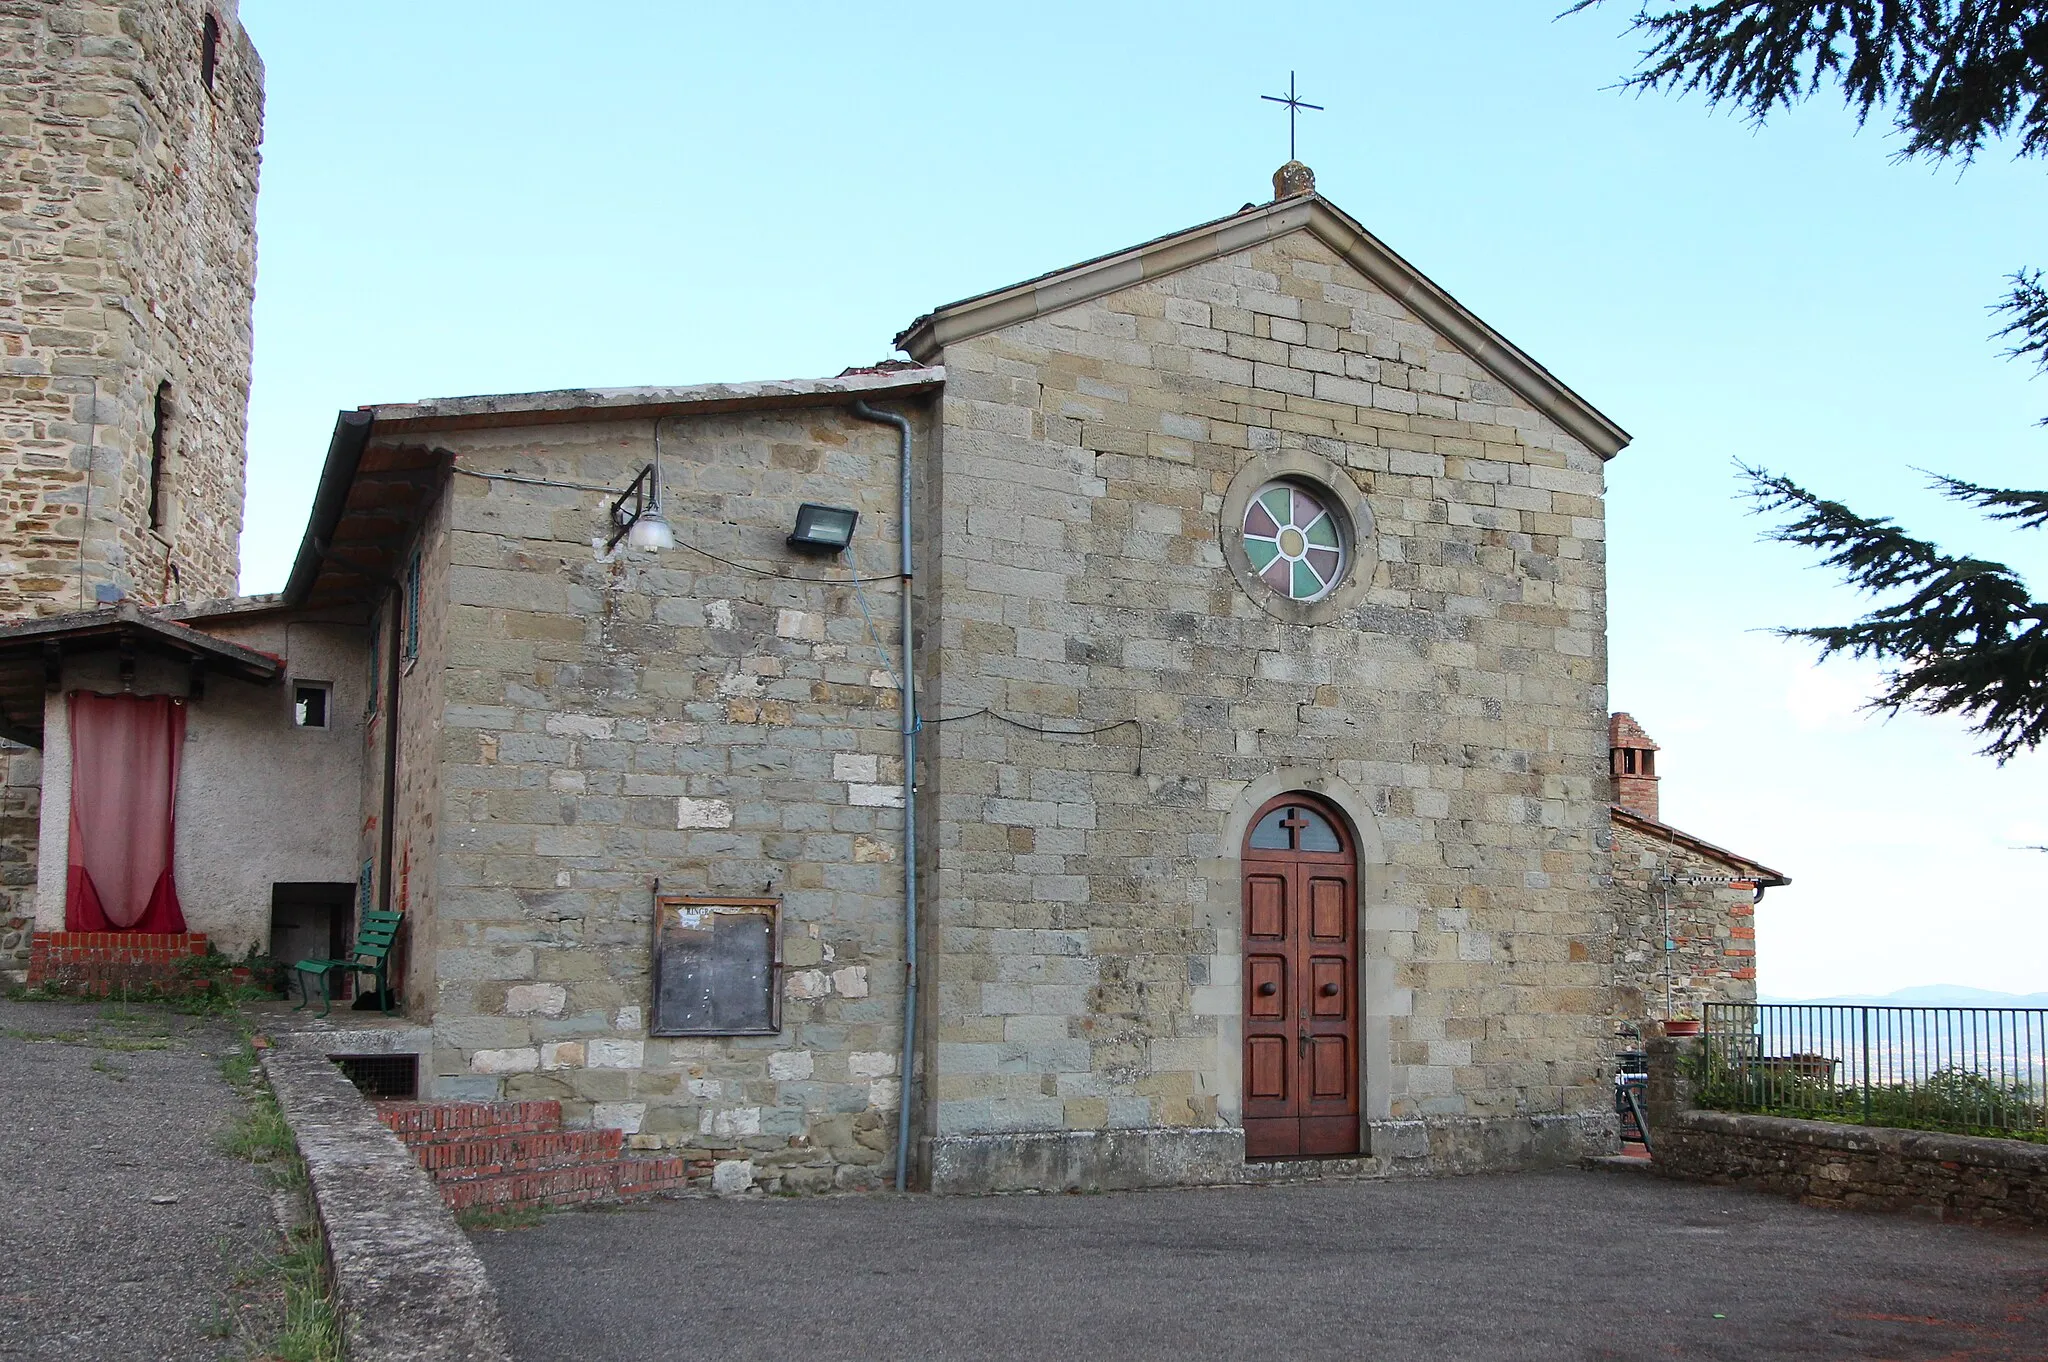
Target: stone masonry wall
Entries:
(127, 259)
(1086, 916)
(1712, 928)
(21, 810)
(617, 718)
(422, 706)
(1954, 1177)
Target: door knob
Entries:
(1268, 989)
(1329, 990)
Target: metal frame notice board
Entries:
(717, 966)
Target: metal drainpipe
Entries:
(903, 1073)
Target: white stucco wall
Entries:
(259, 800)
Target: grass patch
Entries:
(286, 1301)
(102, 1065)
(47, 1037)
(492, 1218)
(260, 1135)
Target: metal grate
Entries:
(382, 1075)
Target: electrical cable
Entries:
(680, 542)
(1044, 732)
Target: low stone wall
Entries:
(1822, 1163)
(1184, 1156)
(1955, 1177)
(410, 1285)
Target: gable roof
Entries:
(926, 338)
(1765, 877)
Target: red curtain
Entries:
(124, 787)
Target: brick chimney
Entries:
(1632, 760)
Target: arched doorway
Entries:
(1301, 1070)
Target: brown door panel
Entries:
(1276, 1139)
(1329, 988)
(1267, 996)
(1265, 906)
(1330, 1070)
(1329, 908)
(1265, 1065)
(1323, 1137)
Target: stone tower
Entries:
(128, 162)
(128, 165)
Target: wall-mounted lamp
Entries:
(823, 529)
(637, 517)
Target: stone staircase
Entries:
(504, 1156)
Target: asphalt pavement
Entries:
(1532, 1266)
(123, 1226)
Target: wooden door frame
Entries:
(1340, 1134)
(1221, 1000)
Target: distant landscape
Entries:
(1928, 995)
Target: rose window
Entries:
(1293, 541)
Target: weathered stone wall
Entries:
(617, 718)
(127, 260)
(416, 814)
(1712, 928)
(1864, 1168)
(1086, 912)
(1955, 1177)
(21, 805)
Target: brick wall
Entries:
(109, 962)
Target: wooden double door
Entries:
(1301, 1006)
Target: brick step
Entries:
(422, 1123)
(617, 1180)
(452, 1160)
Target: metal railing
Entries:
(1971, 1070)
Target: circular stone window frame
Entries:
(1339, 493)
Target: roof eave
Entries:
(1763, 875)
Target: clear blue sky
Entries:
(463, 197)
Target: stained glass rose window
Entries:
(1293, 541)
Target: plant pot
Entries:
(1676, 1027)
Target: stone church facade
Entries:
(1242, 812)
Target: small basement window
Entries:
(309, 704)
(383, 1077)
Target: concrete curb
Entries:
(410, 1285)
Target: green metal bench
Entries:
(368, 956)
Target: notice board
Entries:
(717, 967)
